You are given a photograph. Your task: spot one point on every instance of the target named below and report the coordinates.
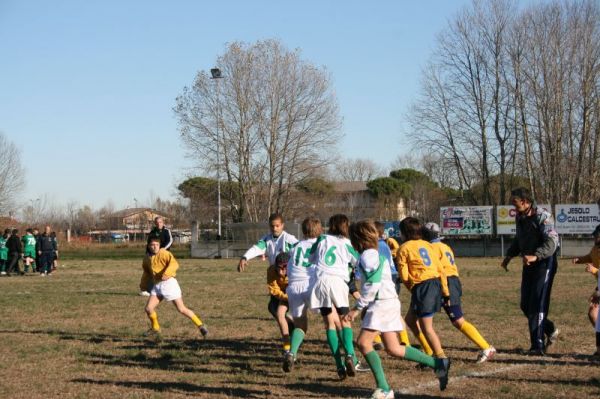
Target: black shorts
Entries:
(426, 298)
(455, 288)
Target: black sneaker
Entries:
(342, 373)
(535, 352)
(203, 330)
(349, 363)
(288, 361)
(442, 369)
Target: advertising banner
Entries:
(576, 218)
(466, 220)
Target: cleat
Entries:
(381, 394)
(349, 363)
(144, 293)
(203, 330)
(486, 354)
(378, 346)
(341, 373)
(552, 338)
(288, 361)
(362, 367)
(535, 352)
(3, 273)
(153, 335)
(442, 370)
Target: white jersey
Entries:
(299, 266)
(333, 256)
(377, 283)
(271, 246)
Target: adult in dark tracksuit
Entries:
(536, 242)
(166, 240)
(46, 248)
(15, 250)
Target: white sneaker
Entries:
(362, 367)
(486, 354)
(381, 394)
(144, 293)
(552, 338)
(3, 273)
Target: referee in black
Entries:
(161, 232)
(536, 242)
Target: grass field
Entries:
(79, 334)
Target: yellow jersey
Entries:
(446, 256)
(157, 266)
(418, 261)
(277, 284)
(394, 247)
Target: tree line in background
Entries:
(510, 97)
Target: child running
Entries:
(380, 300)
(332, 254)
(592, 261)
(160, 266)
(301, 278)
(277, 282)
(423, 274)
(452, 306)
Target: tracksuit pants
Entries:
(536, 286)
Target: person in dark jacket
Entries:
(15, 251)
(46, 249)
(536, 242)
(161, 232)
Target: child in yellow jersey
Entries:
(277, 283)
(592, 261)
(452, 307)
(422, 273)
(160, 266)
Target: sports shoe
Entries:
(3, 273)
(381, 394)
(361, 367)
(378, 346)
(552, 338)
(43, 274)
(154, 335)
(486, 354)
(442, 369)
(203, 330)
(288, 361)
(349, 363)
(144, 293)
(342, 373)
(535, 352)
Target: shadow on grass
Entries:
(342, 390)
(80, 336)
(591, 382)
(179, 387)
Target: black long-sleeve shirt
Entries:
(45, 243)
(535, 235)
(13, 244)
(166, 239)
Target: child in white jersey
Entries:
(332, 254)
(378, 296)
(270, 244)
(301, 278)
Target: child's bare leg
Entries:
(426, 324)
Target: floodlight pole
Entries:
(216, 75)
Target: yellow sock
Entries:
(440, 354)
(286, 343)
(377, 339)
(404, 340)
(471, 332)
(154, 320)
(424, 344)
(196, 321)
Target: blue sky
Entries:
(87, 88)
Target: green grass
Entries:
(79, 334)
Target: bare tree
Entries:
(274, 118)
(358, 169)
(12, 175)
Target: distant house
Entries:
(354, 199)
(7, 222)
(135, 219)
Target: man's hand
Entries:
(351, 315)
(529, 259)
(504, 263)
(242, 265)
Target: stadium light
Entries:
(216, 75)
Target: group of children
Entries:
(38, 252)
(318, 273)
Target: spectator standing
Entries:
(15, 250)
(46, 249)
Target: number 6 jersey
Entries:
(333, 255)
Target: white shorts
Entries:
(329, 292)
(383, 316)
(298, 297)
(168, 290)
